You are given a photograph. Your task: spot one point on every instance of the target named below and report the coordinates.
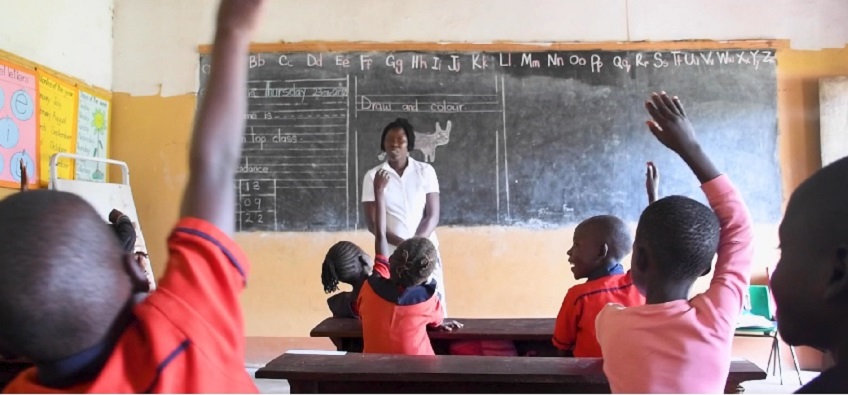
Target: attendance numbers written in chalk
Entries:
(256, 204)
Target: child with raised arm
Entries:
(67, 290)
(397, 304)
(598, 247)
(674, 344)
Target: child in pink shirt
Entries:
(683, 344)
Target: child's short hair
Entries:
(342, 263)
(413, 261)
(400, 123)
(615, 232)
(61, 268)
(682, 234)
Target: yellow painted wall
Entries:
(489, 271)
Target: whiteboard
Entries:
(105, 196)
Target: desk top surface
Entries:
(473, 328)
(382, 367)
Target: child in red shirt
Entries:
(599, 245)
(396, 304)
(67, 287)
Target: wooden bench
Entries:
(531, 335)
(378, 373)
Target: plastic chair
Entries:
(762, 304)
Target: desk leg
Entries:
(303, 387)
(339, 343)
(733, 388)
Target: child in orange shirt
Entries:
(67, 290)
(396, 304)
(599, 245)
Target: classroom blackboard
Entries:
(518, 138)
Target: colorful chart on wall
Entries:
(18, 124)
(92, 136)
(57, 122)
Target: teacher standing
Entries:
(412, 195)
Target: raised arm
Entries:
(381, 242)
(370, 209)
(124, 228)
(735, 248)
(652, 182)
(217, 137)
(24, 177)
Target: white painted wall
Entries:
(156, 40)
(73, 37)
(833, 115)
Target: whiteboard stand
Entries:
(105, 196)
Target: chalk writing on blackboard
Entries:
(536, 139)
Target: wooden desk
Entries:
(529, 334)
(377, 373)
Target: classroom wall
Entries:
(489, 271)
(73, 37)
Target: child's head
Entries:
(64, 278)
(810, 283)
(413, 262)
(597, 242)
(345, 262)
(676, 240)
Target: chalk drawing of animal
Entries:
(427, 142)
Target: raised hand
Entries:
(240, 16)
(24, 177)
(670, 125)
(114, 215)
(672, 128)
(652, 182)
(381, 180)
